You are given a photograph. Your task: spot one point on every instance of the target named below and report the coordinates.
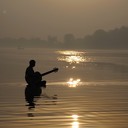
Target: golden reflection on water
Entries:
(70, 52)
(73, 83)
(75, 123)
(75, 117)
(71, 56)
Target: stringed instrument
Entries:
(38, 75)
(53, 70)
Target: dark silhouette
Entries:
(35, 83)
(29, 74)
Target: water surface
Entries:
(91, 88)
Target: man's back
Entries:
(29, 75)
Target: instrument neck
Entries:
(46, 73)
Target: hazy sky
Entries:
(39, 18)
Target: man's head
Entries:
(32, 63)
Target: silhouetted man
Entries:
(30, 74)
(34, 80)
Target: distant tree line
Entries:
(100, 39)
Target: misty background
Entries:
(100, 39)
(66, 24)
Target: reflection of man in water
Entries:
(30, 74)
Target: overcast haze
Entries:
(40, 18)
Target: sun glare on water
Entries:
(73, 83)
(71, 57)
(75, 123)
